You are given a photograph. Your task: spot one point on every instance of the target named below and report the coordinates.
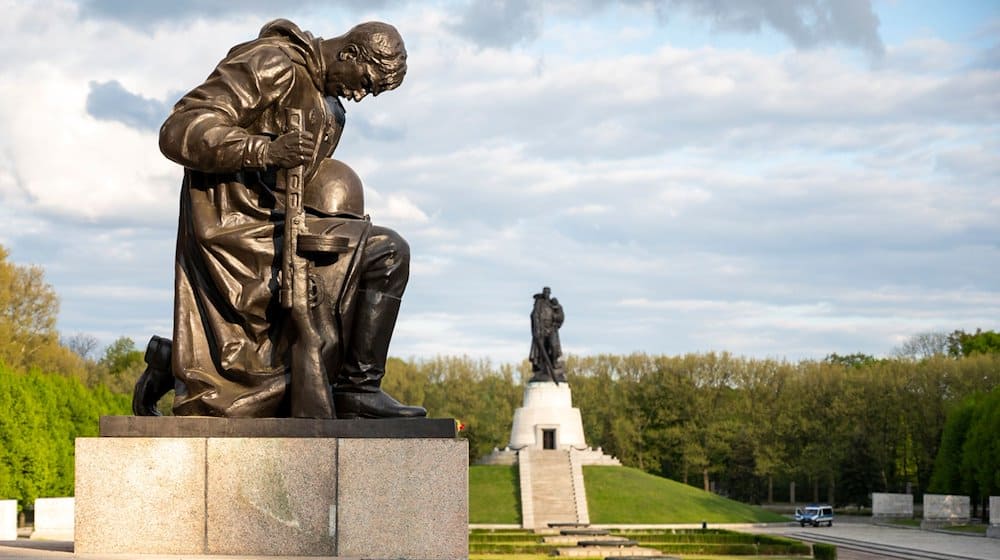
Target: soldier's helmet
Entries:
(335, 190)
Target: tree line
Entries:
(839, 428)
(51, 390)
(41, 415)
(968, 461)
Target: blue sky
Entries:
(772, 178)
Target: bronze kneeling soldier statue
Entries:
(286, 295)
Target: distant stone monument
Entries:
(546, 419)
(547, 442)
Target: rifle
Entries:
(311, 396)
(292, 266)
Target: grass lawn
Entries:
(614, 495)
(509, 557)
(694, 557)
(906, 522)
(627, 495)
(494, 495)
(979, 529)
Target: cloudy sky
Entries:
(775, 178)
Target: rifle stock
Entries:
(310, 391)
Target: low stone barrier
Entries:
(887, 506)
(994, 529)
(54, 519)
(942, 509)
(8, 520)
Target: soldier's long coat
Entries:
(230, 352)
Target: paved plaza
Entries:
(898, 542)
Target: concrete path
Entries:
(893, 542)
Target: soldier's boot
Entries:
(156, 381)
(358, 390)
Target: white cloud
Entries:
(795, 202)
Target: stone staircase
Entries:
(600, 543)
(551, 488)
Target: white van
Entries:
(815, 515)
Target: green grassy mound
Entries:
(614, 495)
(494, 494)
(628, 496)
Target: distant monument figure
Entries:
(547, 442)
(546, 318)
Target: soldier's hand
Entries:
(292, 149)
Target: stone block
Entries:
(8, 520)
(140, 495)
(946, 508)
(995, 511)
(208, 427)
(886, 505)
(53, 519)
(403, 498)
(272, 496)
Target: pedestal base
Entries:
(547, 411)
(273, 496)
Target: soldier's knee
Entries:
(387, 261)
(385, 243)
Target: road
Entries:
(858, 539)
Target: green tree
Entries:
(41, 415)
(961, 343)
(119, 367)
(28, 311)
(856, 360)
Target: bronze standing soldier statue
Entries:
(546, 319)
(255, 141)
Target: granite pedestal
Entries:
(548, 408)
(274, 487)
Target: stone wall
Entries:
(8, 520)
(994, 529)
(886, 505)
(54, 519)
(945, 509)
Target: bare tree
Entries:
(923, 345)
(82, 344)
